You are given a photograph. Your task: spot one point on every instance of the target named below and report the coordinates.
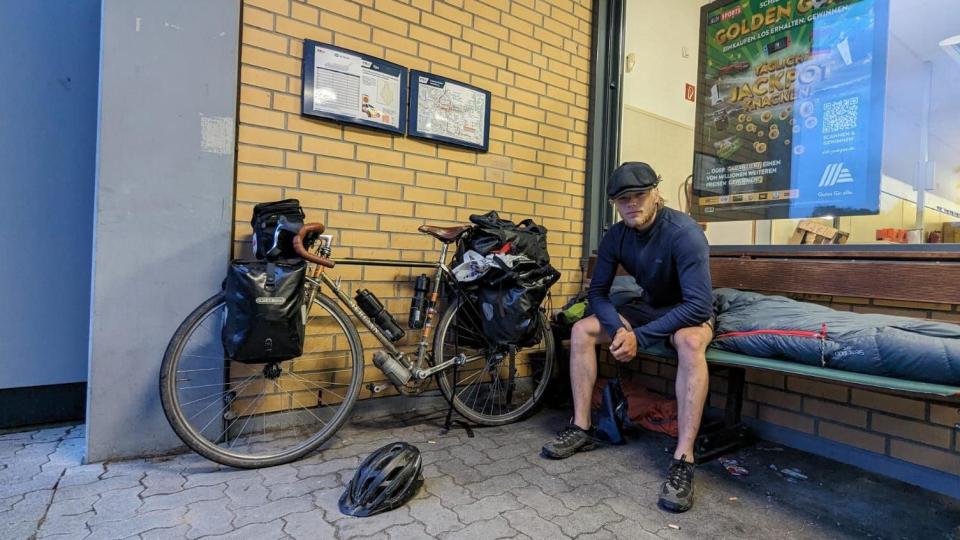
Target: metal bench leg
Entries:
(722, 437)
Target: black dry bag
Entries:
(265, 315)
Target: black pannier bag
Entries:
(507, 298)
(270, 240)
(265, 313)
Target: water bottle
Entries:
(418, 306)
(382, 318)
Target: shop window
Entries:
(836, 111)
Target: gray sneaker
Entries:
(676, 495)
(569, 441)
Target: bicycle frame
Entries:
(441, 271)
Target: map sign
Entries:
(789, 117)
(449, 111)
(348, 86)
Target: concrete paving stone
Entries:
(495, 528)
(435, 517)
(327, 500)
(508, 451)
(23, 530)
(209, 476)
(554, 467)
(271, 511)
(258, 531)
(549, 483)
(449, 492)
(469, 455)
(180, 531)
(73, 524)
(117, 504)
(547, 506)
(503, 466)
(72, 507)
(410, 531)
(299, 488)
(495, 485)
(69, 453)
(162, 483)
(528, 521)
(588, 520)
(208, 517)
(585, 495)
(96, 488)
(309, 525)
(643, 509)
(487, 508)
(278, 474)
(18, 489)
(352, 527)
(182, 498)
(81, 474)
(602, 534)
(357, 451)
(629, 528)
(327, 467)
(435, 456)
(246, 492)
(460, 471)
(430, 471)
(135, 525)
(31, 507)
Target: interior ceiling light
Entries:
(951, 46)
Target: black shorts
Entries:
(640, 313)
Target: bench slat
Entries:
(727, 358)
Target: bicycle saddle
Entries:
(445, 234)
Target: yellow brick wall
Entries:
(373, 189)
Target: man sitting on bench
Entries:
(667, 253)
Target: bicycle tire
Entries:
(462, 403)
(193, 438)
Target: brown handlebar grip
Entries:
(301, 251)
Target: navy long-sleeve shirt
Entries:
(670, 260)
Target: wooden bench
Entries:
(915, 276)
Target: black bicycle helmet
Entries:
(386, 479)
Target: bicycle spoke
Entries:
(238, 390)
(294, 375)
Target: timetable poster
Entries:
(789, 116)
(348, 86)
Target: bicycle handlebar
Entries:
(301, 251)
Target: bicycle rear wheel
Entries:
(493, 387)
(260, 415)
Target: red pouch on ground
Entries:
(647, 409)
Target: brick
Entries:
(441, 25)
(945, 415)
(431, 212)
(276, 6)
(474, 187)
(369, 138)
(483, 43)
(268, 137)
(341, 25)
(832, 411)
(379, 157)
(341, 167)
(254, 96)
(258, 155)
(286, 103)
(398, 10)
(390, 207)
(256, 17)
(415, 146)
(353, 220)
(258, 193)
(263, 78)
(818, 388)
(364, 238)
(307, 14)
(265, 40)
(774, 397)
(426, 35)
(407, 60)
(890, 311)
(853, 437)
(386, 22)
(926, 456)
(327, 147)
(396, 224)
(436, 181)
(361, 45)
(391, 174)
(326, 182)
(312, 126)
(477, 68)
(786, 419)
(299, 161)
(265, 175)
(378, 189)
(461, 155)
(427, 164)
(340, 7)
(416, 194)
(897, 405)
(915, 431)
(457, 15)
(301, 30)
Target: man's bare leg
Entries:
(587, 333)
(692, 384)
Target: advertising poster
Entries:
(347, 86)
(789, 117)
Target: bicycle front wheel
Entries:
(493, 386)
(251, 415)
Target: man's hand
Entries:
(624, 346)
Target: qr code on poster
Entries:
(840, 115)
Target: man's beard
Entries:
(644, 218)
